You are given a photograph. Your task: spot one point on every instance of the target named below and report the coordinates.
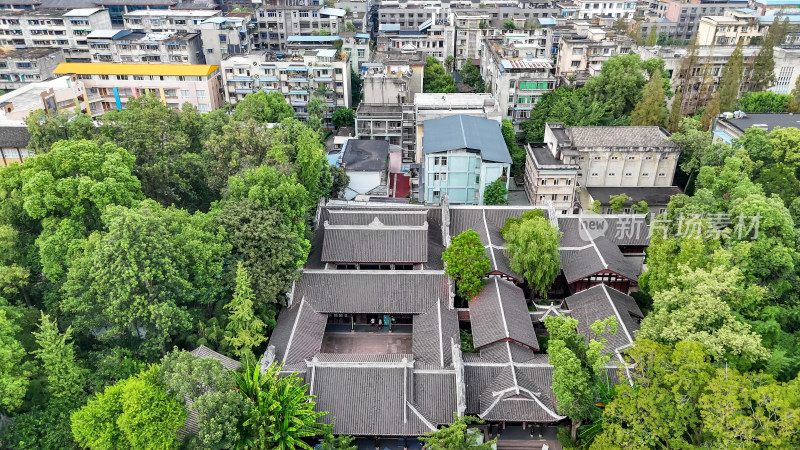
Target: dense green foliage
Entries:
(496, 193)
(766, 102)
(457, 436)
(143, 230)
(466, 263)
(607, 99)
(471, 76)
(435, 79)
(532, 247)
(343, 117)
(651, 109)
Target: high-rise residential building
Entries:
(28, 65)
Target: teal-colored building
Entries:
(461, 156)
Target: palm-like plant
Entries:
(282, 412)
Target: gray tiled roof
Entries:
(601, 255)
(435, 396)
(500, 312)
(366, 400)
(14, 137)
(205, 352)
(642, 136)
(621, 229)
(470, 132)
(352, 216)
(298, 333)
(375, 243)
(433, 331)
(362, 291)
(652, 195)
(600, 302)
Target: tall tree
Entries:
(343, 117)
(467, 263)
(435, 79)
(532, 246)
(471, 75)
(686, 78)
(269, 249)
(651, 109)
(710, 113)
(247, 331)
(619, 83)
(675, 116)
(355, 88)
(143, 277)
(516, 151)
(457, 436)
(496, 193)
(731, 80)
(762, 75)
(48, 127)
(65, 378)
(14, 371)
(652, 36)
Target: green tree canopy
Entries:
(14, 372)
(457, 436)
(142, 277)
(651, 109)
(532, 246)
(765, 102)
(247, 331)
(343, 117)
(619, 83)
(496, 193)
(134, 413)
(435, 79)
(467, 263)
(731, 79)
(471, 75)
(263, 107)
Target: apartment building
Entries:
(550, 180)
(27, 65)
(117, 9)
(109, 85)
(471, 27)
(132, 47)
(686, 15)
(431, 39)
(393, 76)
(277, 23)
(518, 70)
(298, 78)
(589, 52)
(774, 7)
(357, 47)
(157, 21)
(233, 34)
(589, 9)
(729, 29)
(463, 155)
(63, 28)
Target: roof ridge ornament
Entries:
(376, 222)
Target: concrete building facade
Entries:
(276, 23)
(124, 46)
(108, 86)
(28, 65)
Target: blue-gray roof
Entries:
(469, 132)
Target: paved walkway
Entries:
(370, 343)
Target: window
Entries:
(553, 197)
(645, 174)
(439, 177)
(631, 158)
(611, 174)
(201, 94)
(595, 174)
(541, 197)
(544, 182)
(662, 210)
(628, 174)
(648, 157)
(596, 158)
(569, 182)
(563, 211)
(566, 198)
(361, 53)
(210, 51)
(477, 179)
(615, 157)
(662, 174)
(436, 194)
(582, 158)
(184, 93)
(576, 63)
(533, 85)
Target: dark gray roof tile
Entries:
(601, 302)
(500, 312)
(375, 243)
(641, 136)
(434, 332)
(205, 352)
(298, 334)
(354, 291)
